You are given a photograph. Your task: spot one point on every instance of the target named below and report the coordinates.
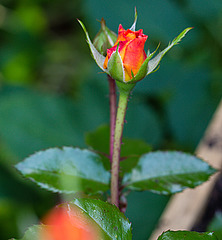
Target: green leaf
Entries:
(66, 170)
(99, 139)
(113, 224)
(99, 58)
(186, 235)
(167, 172)
(115, 66)
(32, 233)
(153, 63)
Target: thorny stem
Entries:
(121, 112)
(112, 102)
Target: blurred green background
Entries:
(52, 92)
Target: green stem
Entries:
(121, 112)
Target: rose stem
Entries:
(112, 102)
(121, 112)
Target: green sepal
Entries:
(115, 66)
(99, 58)
(133, 27)
(153, 63)
(142, 73)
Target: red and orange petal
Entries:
(109, 53)
(121, 49)
(67, 224)
(127, 35)
(134, 56)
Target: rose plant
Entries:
(98, 177)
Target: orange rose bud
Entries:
(127, 62)
(68, 223)
(131, 49)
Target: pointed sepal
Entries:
(133, 27)
(142, 73)
(153, 63)
(99, 58)
(115, 66)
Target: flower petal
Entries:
(134, 56)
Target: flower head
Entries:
(126, 60)
(131, 49)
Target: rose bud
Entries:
(131, 50)
(126, 61)
(104, 39)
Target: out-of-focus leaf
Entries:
(66, 170)
(111, 221)
(13, 188)
(99, 139)
(32, 233)
(33, 121)
(142, 122)
(131, 149)
(174, 90)
(8, 218)
(32, 18)
(186, 235)
(167, 172)
(216, 225)
(150, 205)
(204, 9)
